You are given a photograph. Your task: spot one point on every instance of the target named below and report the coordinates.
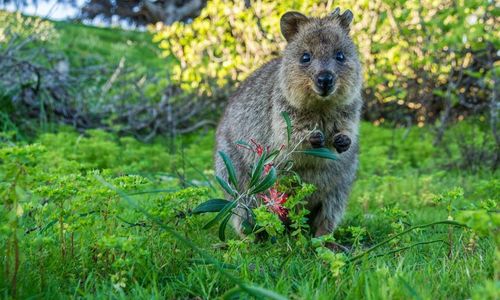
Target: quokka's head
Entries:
(320, 62)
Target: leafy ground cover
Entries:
(85, 216)
(107, 45)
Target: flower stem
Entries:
(408, 247)
(376, 246)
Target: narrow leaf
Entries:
(264, 293)
(288, 125)
(222, 228)
(225, 186)
(205, 262)
(320, 152)
(226, 210)
(212, 205)
(257, 171)
(248, 228)
(232, 293)
(244, 144)
(271, 156)
(266, 183)
(230, 169)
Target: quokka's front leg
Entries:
(341, 141)
(317, 139)
(345, 135)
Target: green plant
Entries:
(109, 248)
(260, 199)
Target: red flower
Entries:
(258, 148)
(275, 201)
(267, 168)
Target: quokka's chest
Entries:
(327, 125)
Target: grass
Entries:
(108, 45)
(108, 248)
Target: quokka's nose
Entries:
(325, 80)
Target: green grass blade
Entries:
(414, 294)
(207, 263)
(374, 247)
(232, 293)
(265, 293)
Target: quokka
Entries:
(317, 81)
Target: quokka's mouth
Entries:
(324, 93)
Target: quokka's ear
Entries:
(344, 19)
(290, 23)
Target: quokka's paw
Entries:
(341, 142)
(317, 139)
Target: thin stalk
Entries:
(61, 235)
(288, 153)
(154, 191)
(408, 247)
(450, 242)
(16, 267)
(375, 247)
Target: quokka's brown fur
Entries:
(291, 83)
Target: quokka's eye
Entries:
(306, 57)
(340, 56)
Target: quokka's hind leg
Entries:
(329, 214)
(323, 223)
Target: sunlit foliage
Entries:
(417, 55)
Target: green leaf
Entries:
(271, 156)
(263, 293)
(256, 291)
(225, 186)
(257, 171)
(244, 144)
(205, 262)
(266, 183)
(212, 205)
(320, 152)
(288, 122)
(248, 228)
(226, 210)
(232, 293)
(222, 228)
(230, 169)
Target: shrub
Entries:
(420, 57)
